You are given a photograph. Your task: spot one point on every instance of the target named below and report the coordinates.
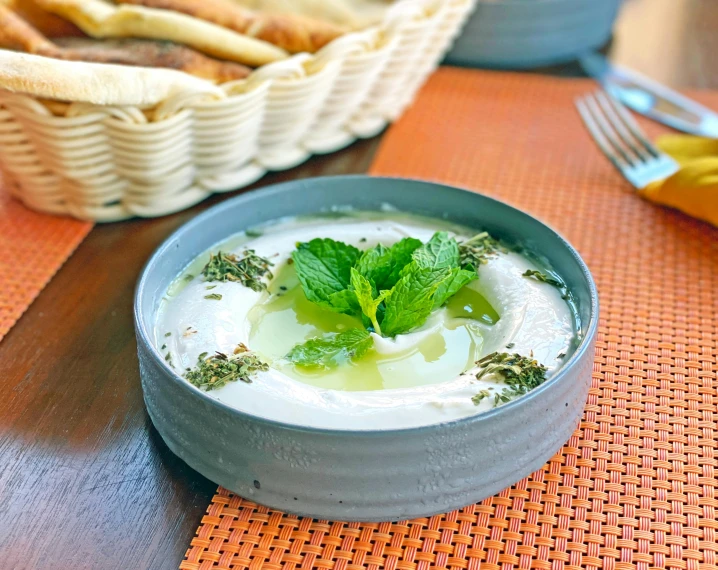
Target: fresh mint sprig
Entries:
(362, 288)
(332, 349)
(411, 300)
(393, 289)
(323, 267)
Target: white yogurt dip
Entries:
(534, 319)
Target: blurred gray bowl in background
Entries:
(520, 34)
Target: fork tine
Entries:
(597, 133)
(621, 127)
(607, 129)
(617, 136)
(631, 124)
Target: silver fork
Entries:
(620, 138)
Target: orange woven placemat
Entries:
(635, 485)
(33, 247)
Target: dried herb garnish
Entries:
(163, 347)
(477, 250)
(168, 334)
(510, 345)
(188, 277)
(249, 269)
(522, 374)
(539, 276)
(208, 287)
(214, 297)
(217, 370)
(253, 233)
(480, 397)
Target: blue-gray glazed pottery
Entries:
(521, 34)
(364, 475)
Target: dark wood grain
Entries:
(85, 481)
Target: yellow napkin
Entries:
(694, 188)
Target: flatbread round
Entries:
(291, 32)
(102, 20)
(97, 83)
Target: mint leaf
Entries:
(332, 349)
(364, 295)
(382, 265)
(344, 302)
(412, 299)
(323, 268)
(439, 252)
(376, 264)
(401, 253)
(450, 286)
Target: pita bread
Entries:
(355, 14)
(48, 24)
(18, 35)
(102, 20)
(97, 83)
(290, 32)
(150, 53)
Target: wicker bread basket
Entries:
(101, 159)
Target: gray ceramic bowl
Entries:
(363, 475)
(521, 34)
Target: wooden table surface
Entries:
(85, 480)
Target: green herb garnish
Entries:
(412, 299)
(477, 250)
(323, 267)
(253, 233)
(440, 252)
(382, 266)
(168, 334)
(332, 349)
(363, 290)
(214, 297)
(450, 286)
(249, 269)
(208, 287)
(480, 397)
(539, 276)
(217, 370)
(188, 277)
(522, 374)
(394, 289)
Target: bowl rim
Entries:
(144, 337)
